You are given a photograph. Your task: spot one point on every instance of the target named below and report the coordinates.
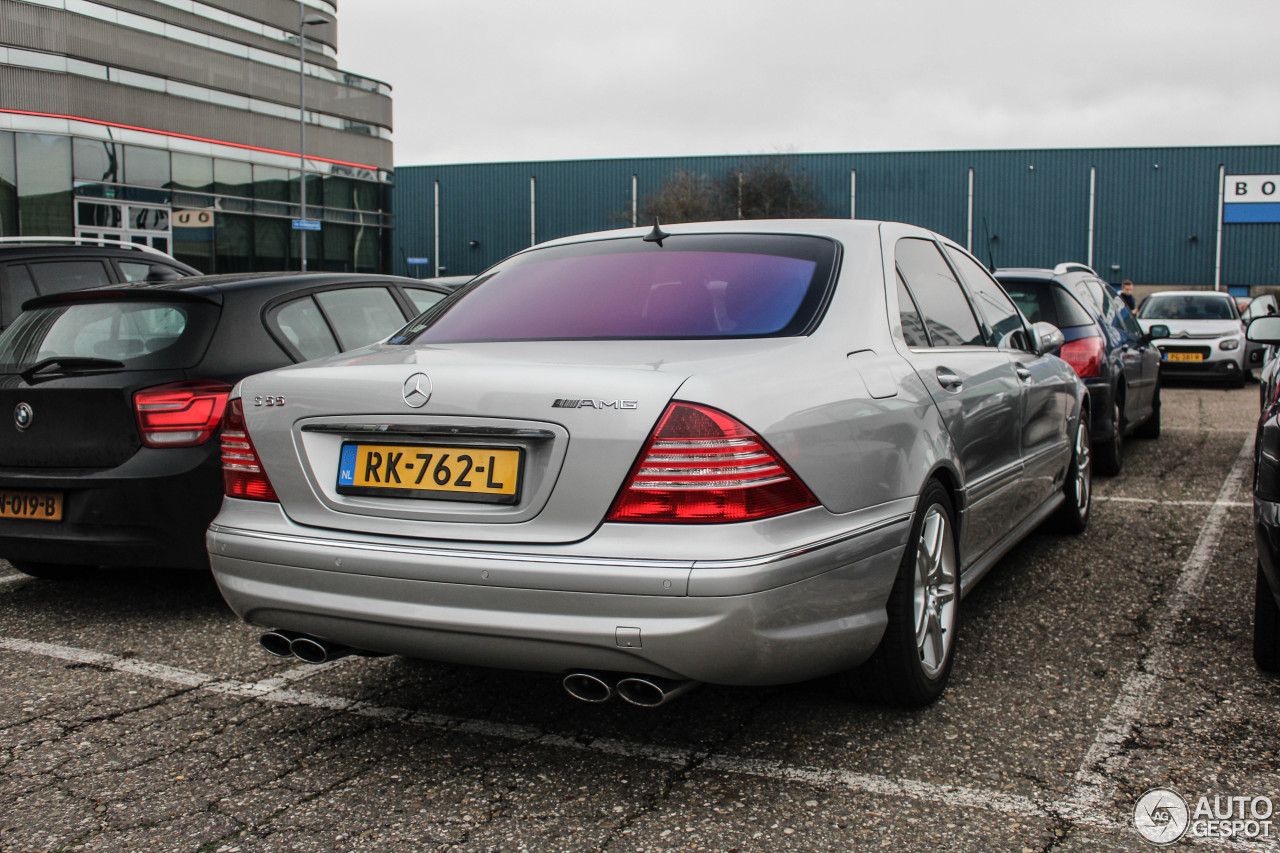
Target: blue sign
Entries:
(1255, 212)
(306, 225)
(417, 260)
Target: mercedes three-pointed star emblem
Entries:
(417, 390)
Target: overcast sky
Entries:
(480, 81)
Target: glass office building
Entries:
(175, 123)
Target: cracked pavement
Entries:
(138, 714)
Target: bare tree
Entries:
(766, 189)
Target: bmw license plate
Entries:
(1185, 356)
(32, 506)
(436, 472)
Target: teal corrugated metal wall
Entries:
(1155, 209)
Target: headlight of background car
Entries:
(1230, 343)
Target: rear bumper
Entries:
(777, 618)
(1219, 365)
(152, 511)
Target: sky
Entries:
(481, 81)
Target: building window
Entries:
(44, 192)
(8, 187)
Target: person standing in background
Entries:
(1126, 293)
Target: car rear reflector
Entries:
(181, 414)
(701, 465)
(1084, 355)
(242, 474)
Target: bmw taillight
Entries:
(242, 474)
(181, 414)
(1084, 355)
(701, 465)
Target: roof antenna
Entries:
(657, 235)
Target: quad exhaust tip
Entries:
(642, 690)
(284, 644)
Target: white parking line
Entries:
(1095, 780)
(1240, 430)
(1163, 502)
(269, 690)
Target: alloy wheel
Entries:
(935, 592)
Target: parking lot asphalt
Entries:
(138, 714)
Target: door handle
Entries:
(1023, 373)
(949, 379)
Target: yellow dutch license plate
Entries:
(438, 472)
(32, 506)
(1185, 356)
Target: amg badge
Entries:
(594, 404)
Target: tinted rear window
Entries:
(142, 335)
(695, 286)
(1042, 302)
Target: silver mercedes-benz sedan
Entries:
(741, 453)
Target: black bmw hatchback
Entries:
(113, 400)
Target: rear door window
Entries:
(946, 310)
(302, 325)
(422, 299)
(360, 315)
(63, 276)
(691, 286)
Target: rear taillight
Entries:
(242, 474)
(700, 465)
(1084, 355)
(181, 414)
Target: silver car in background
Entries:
(743, 453)
(1206, 335)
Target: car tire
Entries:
(51, 571)
(1151, 426)
(1266, 626)
(1073, 515)
(913, 663)
(1109, 457)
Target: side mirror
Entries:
(1048, 337)
(1264, 330)
(1159, 330)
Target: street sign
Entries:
(306, 225)
(417, 260)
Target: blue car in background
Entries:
(1104, 343)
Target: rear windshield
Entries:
(141, 335)
(694, 286)
(1042, 302)
(1163, 306)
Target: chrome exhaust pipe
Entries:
(278, 642)
(588, 687)
(650, 692)
(316, 650)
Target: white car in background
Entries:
(1206, 335)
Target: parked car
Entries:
(1206, 337)
(1104, 344)
(110, 456)
(1266, 510)
(41, 266)
(743, 453)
